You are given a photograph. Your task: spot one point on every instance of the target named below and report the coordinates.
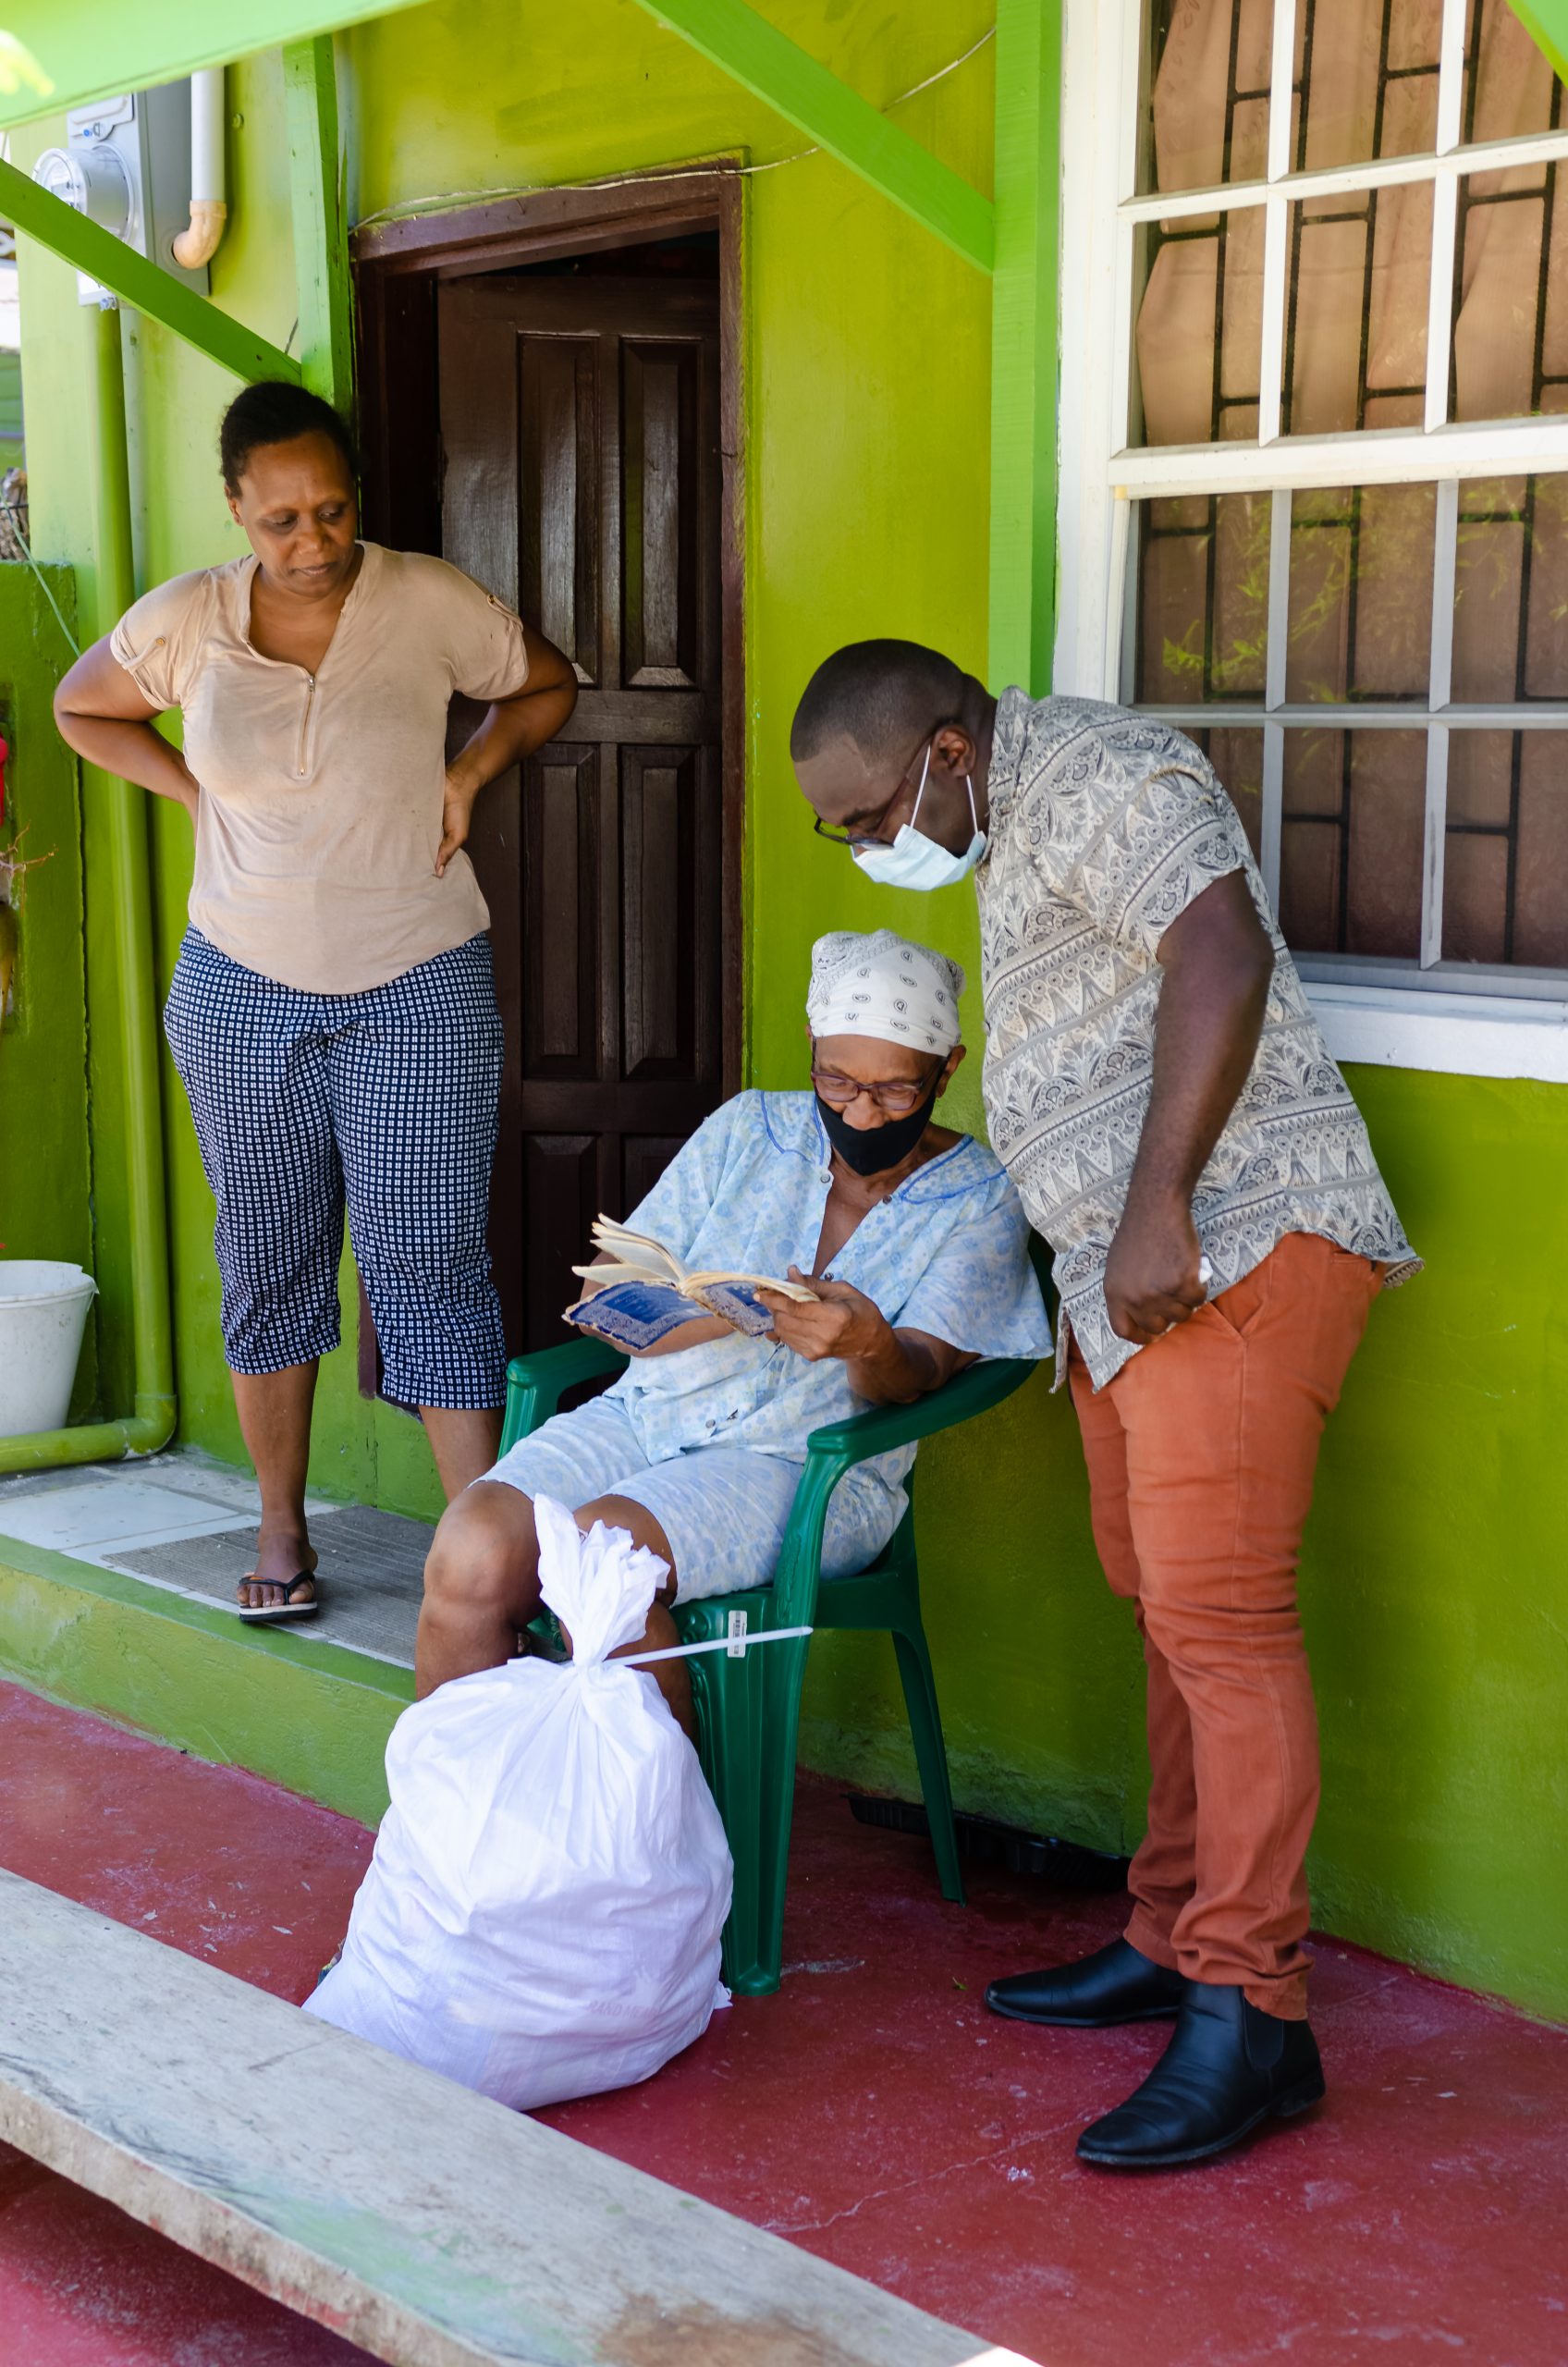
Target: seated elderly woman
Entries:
(917, 1248)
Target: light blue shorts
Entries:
(723, 1508)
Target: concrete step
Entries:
(116, 1593)
(186, 1526)
(430, 2226)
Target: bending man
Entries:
(1163, 1098)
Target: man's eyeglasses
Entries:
(897, 1100)
(870, 833)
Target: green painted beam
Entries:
(787, 78)
(40, 214)
(321, 242)
(58, 54)
(1546, 22)
(1024, 344)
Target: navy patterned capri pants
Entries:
(383, 1102)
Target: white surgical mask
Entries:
(915, 861)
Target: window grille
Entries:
(1325, 456)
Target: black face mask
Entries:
(871, 1151)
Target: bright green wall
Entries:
(1435, 1579)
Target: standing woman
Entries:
(333, 1012)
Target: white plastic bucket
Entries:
(42, 1315)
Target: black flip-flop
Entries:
(270, 1612)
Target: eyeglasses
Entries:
(897, 1100)
(870, 833)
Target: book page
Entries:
(638, 1249)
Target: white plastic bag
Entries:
(542, 1915)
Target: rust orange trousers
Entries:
(1202, 1455)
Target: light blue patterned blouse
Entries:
(946, 1254)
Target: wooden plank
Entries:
(1023, 345)
(287, 2153)
(321, 245)
(61, 53)
(41, 215)
(789, 80)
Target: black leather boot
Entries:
(1116, 1985)
(1228, 2066)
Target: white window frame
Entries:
(1496, 1024)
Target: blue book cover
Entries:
(638, 1315)
(634, 1314)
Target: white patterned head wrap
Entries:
(883, 985)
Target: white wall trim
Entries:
(1099, 141)
(1457, 1034)
(1387, 1026)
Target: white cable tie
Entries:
(720, 1644)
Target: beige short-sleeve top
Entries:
(320, 814)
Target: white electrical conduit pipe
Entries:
(209, 211)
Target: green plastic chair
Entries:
(748, 1707)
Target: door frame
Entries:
(397, 266)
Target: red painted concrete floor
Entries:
(871, 2112)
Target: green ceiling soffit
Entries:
(56, 54)
(1546, 22)
(779, 72)
(37, 214)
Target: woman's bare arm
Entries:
(100, 714)
(890, 1367)
(512, 729)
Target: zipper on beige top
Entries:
(305, 724)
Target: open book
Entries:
(645, 1291)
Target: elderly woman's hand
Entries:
(840, 1320)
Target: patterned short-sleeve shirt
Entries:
(1104, 826)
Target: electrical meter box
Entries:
(127, 166)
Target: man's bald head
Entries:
(880, 695)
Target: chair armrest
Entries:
(537, 1383)
(838, 1446)
(881, 1428)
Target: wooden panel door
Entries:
(580, 422)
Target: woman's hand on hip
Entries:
(457, 812)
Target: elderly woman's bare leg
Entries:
(482, 1589)
(481, 1585)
